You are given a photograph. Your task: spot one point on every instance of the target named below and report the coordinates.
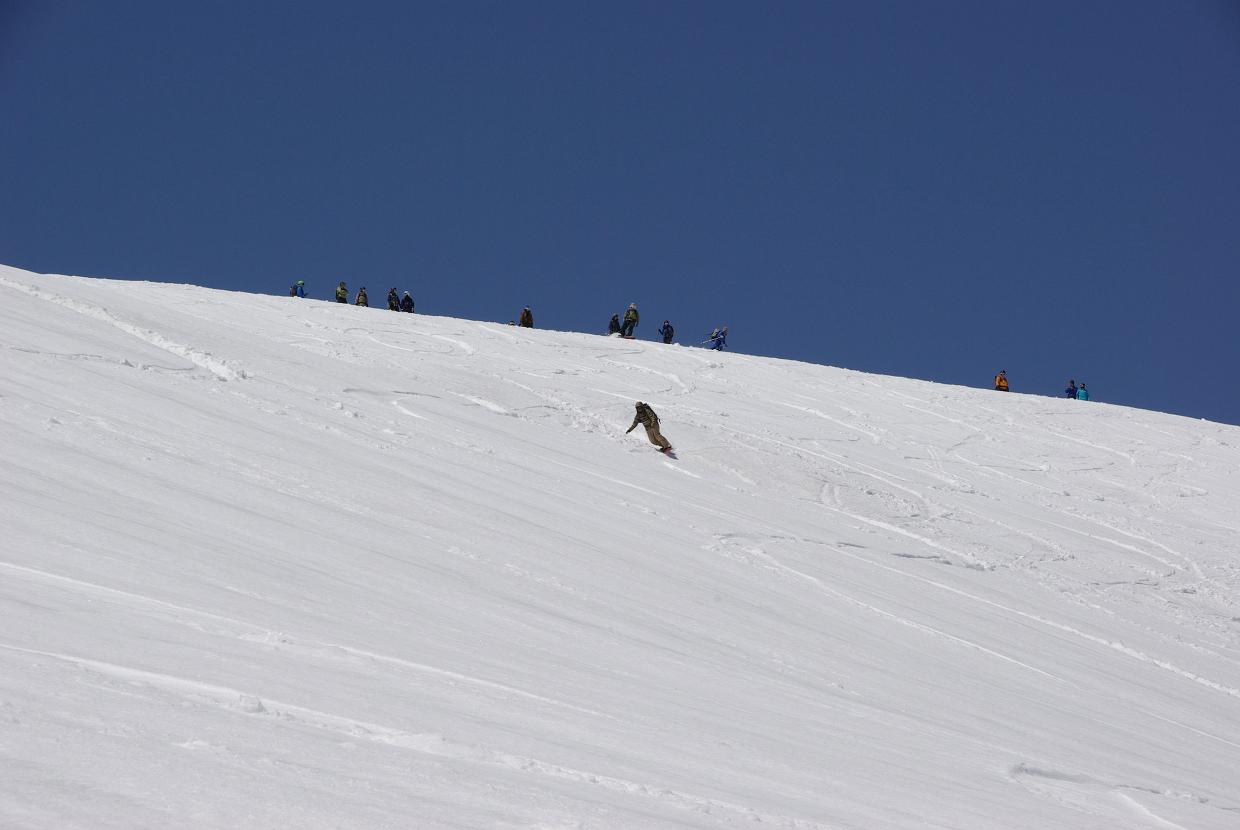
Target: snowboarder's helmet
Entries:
(632, 305)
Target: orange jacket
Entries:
(1001, 382)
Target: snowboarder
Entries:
(342, 293)
(298, 289)
(527, 318)
(630, 321)
(1071, 390)
(613, 325)
(647, 418)
(718, 339)
(1001, 383)
(1082, 394)
(393, 300)
(406, 303)
(362, 299)
(667, 332)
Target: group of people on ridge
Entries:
(395, 302)
(1074, 390)
(625, 327)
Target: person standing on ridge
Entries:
(362, 299)
(613, 325)
(342, 293)
(406, 303)
(647, 418)
(667, 332)
(526, 320)
(1071, 390)
(298, 289)
(393, 300)
(1001, 383)
(630, 321)
(718, 339)
(1082, 394)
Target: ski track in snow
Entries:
(222, 369)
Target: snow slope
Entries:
(268, 562)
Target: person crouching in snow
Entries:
(647, 418)
(1001, 383)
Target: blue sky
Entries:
(934, 190)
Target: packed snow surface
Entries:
(270, 562)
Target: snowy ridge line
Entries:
(422, 742)
(220, 368)
(1120, 647)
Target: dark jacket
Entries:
(406, 303)
(527, 318)
(667, 332)
(613, 326)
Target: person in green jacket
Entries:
(630, 321)
(342, 293)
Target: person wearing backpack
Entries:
(393, 300)
(406, 303)
(647, 418)
(342, 293)
(362, 299)
(526, 320)
(667, 332)
(1082, 394)
(298, 289)
(630, 321)
(613, 325)
(1001, 381)
(1071, 390)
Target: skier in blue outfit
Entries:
(1081, 393)
(718, 339)
(1071, 390)
(299, 289)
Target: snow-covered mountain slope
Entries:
(270, 562)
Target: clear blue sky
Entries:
(928, 189)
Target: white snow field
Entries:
(280, 563)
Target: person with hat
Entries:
(393, 299)
(526, 320)
(342, 293)
(630, 321)
(406, 303)
(1001, 381)
(647, 418)
(1082, 394)
(298, 289)
(362, 299)
(667, 332)
(1071, 390)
